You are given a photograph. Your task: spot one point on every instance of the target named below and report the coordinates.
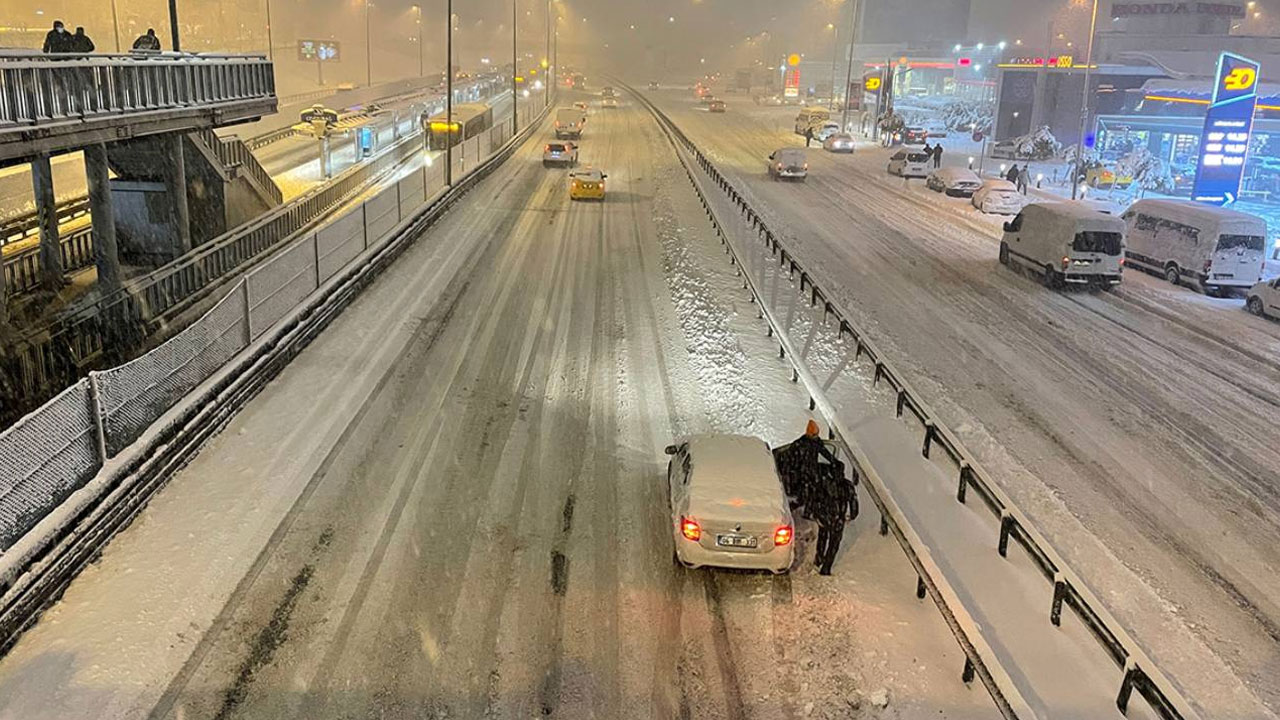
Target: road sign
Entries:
(319, 50)
(1228, 126)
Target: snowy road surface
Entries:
(452, 503)
(1138, 429)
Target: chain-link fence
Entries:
(57, 449)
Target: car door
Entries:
(1271, 297)
(678, 481)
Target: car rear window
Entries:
(1241, 242)
(555, 147)
(1107, 243)
(918, 157)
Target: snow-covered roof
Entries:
(733, 476)
(1186, 64)
(1198, 87)
(1194, 213)
(1072, 216)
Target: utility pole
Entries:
(173, 26)
(515, 68)
(421, 71)
(448, 95)
(270, 51)
(546, 95)
(848, 77)
(368, 48)
(1084, 103)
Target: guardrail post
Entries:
(902, 398)
(920, 588)
(315, 254)
(1006, 527)
(1059, 594)
(967, 674)
(1131, 673)
(99, 427)
(248, 311)
(364, 224)
(884, 524)
(965, 472)
(929, 430)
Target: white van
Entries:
(811, 117)
(569, 122)
(1218, 248)
(1068, 242)
(728, 508)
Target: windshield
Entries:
(1095, 241)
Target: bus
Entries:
(468, 121)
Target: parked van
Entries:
(811, 117)
(569, 123)
(1067, 242)
(1218, 248)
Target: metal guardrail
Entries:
(22, 269)
(27, 224)
(1138, 671)
(40, 88)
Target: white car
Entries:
(999, 197)
(1264, 299)
(955, 182)
(609, 103)
(838, 143)
(910, 164)
(728, 508)
(826, 130)
(560, 153)
(788, 163)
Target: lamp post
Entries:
(173, 26)
(515, 69)
(546, 95)
(270, 50)
(368, 47)
(448, 95)
(854, 7)
(1084, 102)
(418, 10)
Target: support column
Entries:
(47, 216)
(104, 218)
(176, 186)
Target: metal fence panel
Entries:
(44, 458)
(411, 193)
(134, 395)
(281, 283)
(381, 214)
(339, 242)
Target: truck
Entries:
(569, 122)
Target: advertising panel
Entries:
(1228, 125)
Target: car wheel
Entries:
(1255, 305)
(1051, 277)
(1213, 291)
(1172, 274)
(1004, 253)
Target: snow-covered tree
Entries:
(968, 116)
(1148, 171)
(1037, 145)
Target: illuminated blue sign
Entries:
(1227, 128)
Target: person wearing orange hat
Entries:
(798, 466)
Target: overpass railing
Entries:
(37, 88)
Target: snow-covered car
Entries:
(728, 508)
(1066, 243)
(708, 98)
(826, 130)
(716, 106)
(914, 136)
(909, 164)
(1101, 176)
(788, 163)
(609, 103)
(1006, 149)
(838, 143)
(954, 181)
(998, 197)
(654, 85)
(560, 153)
(769, 100)
(1263, 298)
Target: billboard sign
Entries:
(791, 83)
(319, 51)
(1228, 126)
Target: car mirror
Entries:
(603, 176)
(1008, 226)
(671, 449)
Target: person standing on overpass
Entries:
(80, 43)
(57, 40)
(147, 41)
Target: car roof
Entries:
(1186, 211)
(957, 172)
(1073, 213)
(789, 151)
(587, 174)
(733, 473)
(993, 184)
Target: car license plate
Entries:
(741, 541)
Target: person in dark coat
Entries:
(57, 40)
(148, 41)
(927, 149)
(837, 503)
(799, 466)
(808, 136)
(1012, 174)
(80, 43)
(937, 156)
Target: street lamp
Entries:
(1084, 101)
(368, 47)
(417, 9)
(515, 68)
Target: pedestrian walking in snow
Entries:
(147, 41)
(937, 156)
(57, 40)
(837, 503)
(1012, 174)
(808, 136)
(80, 43)
(1024, 176)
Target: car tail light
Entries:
(782, 536)
(1121, 261)
(779, 166)
(806, 166)
(546, 149)
(690, 529)
(1066, 262)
